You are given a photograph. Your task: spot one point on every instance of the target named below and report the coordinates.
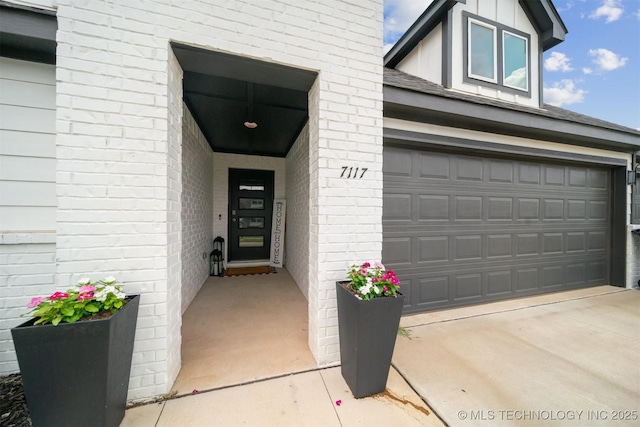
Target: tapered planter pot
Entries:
(368, 331)
(77, 374)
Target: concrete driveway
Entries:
(570, 358)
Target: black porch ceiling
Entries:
(224, 91)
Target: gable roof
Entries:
(542, 14)
(409, 97)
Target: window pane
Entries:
(251, 241)
(252, 187)
(250, 203)
(251, 222)
(482, 51)
(515, 61)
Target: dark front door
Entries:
(250, 209)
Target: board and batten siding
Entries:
(27, 193)
(27, 147)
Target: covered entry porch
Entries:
(242, 329)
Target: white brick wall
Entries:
(222, 162)
(118, 147)
(27, 269)
(197, 208)
(297, 223)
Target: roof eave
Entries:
(547, 21)
(420, 107)
(429, 19)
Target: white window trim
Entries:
(526, 59)
(495, 51)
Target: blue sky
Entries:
(595, 71)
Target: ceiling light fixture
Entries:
(250, 124)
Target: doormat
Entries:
(245, 271)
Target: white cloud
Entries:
(562, 93)
(587, 70)
(557, 62)
(637, 14)
(399, 15)
(607, 60)
(609, 10)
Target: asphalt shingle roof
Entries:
(402, 80)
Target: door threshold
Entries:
(251, 263)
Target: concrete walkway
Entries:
(315, 398)
(564, 359)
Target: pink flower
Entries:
(386, 289)
(363, 271)
(85, 295)
(394, 281)
(59, 295)
(87, 288)
(35, 301)
(374, 279)
(366, 265)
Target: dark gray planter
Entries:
(368, 331)
(77, 374)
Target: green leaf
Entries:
(56, 320)
(67, 311)
(91, 308)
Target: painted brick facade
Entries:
(119, 113)
(197, 208)
(27, 269)
(296, 239)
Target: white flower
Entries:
(102, 293)
(110, 280)
(377, 289)
(84, 281)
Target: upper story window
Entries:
(496, 56)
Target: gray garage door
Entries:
(462, 230)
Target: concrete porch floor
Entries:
(241, 329)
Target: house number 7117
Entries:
(350, 172)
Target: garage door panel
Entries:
(499, 208)
(433, 249)
(397, 207)
(468, 208)
(397, 250)
(554, 176)
(467, 286)
(552, 243)
(553, 209)
(526, 279)
(499, 283)
(433, 291)
(499, 245)
(433, 207)
(434, 166)
(597, 210)
(501, 171)
(466, 229)
(529, 174)
(553, 277)
(469, 169)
